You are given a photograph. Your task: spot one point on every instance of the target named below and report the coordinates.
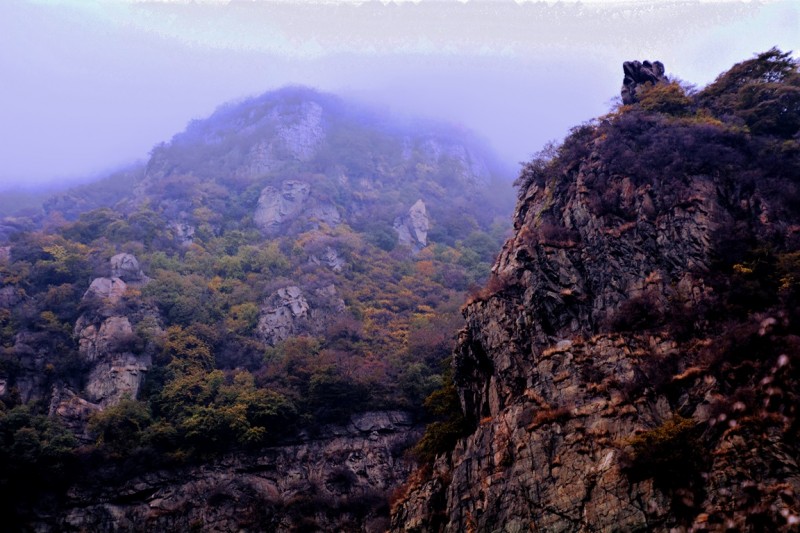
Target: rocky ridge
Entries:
(600, 397)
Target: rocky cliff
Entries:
(633, 364)
(336, 480)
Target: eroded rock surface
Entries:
(126, 267)
(338, 480)
(637, 74)
(559, 371)
(412, 228)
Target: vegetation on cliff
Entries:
(649, 298)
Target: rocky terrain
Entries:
(339, 479)
(632, 365)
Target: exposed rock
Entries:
(115, 372)
(557, 396)
(339, 480)
(115, 377)
(281, 314)
(301, 136)
(96, 341)
(126, 267)
(184, 232)
(638, 74)
(412, 229)
(260, 160)
(325, 214)
(329, 300)
(72, 411)
(330, 258)
(109, 289)
(276, 207)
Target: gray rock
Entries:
(276, 207)
(330, 258)
(303, 135)
(183, 232)
(109, 289)
(281, 314)
(73, 411)
(412, 228)
(638, 74)
(126, 267)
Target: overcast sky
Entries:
(87, 85)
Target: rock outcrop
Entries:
(288, 312)
(109, 290)
(281, 314)
(277, 208)
(600, 397)
(338, 480)
(108, 345)
(638, 74)
(412, 228)
(126, 267)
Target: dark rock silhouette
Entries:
(638, 73)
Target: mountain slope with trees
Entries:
(276, 271)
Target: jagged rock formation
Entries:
(281, 314)
(329, 257)
(287, 312)
(412, 228)
(336, 480)
(276, 207)
(638, 74)
(126, 268)
(106, 344)
(614, 373)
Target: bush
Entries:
(671, 453)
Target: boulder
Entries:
(637, 74)
(126, 267)
(412, 228)
(108, 289)
(330, 258)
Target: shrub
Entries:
(670, 454)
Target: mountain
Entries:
(240, 333)
(633, 363)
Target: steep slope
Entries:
(633, 363)
(275, 275)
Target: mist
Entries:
(88, 87)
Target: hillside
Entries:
(632, 365)
(278, 286)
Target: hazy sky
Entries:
(86, 85)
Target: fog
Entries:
(90, 85)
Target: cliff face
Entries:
(631, 366)
(339, 479)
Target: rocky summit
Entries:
(633, 363)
